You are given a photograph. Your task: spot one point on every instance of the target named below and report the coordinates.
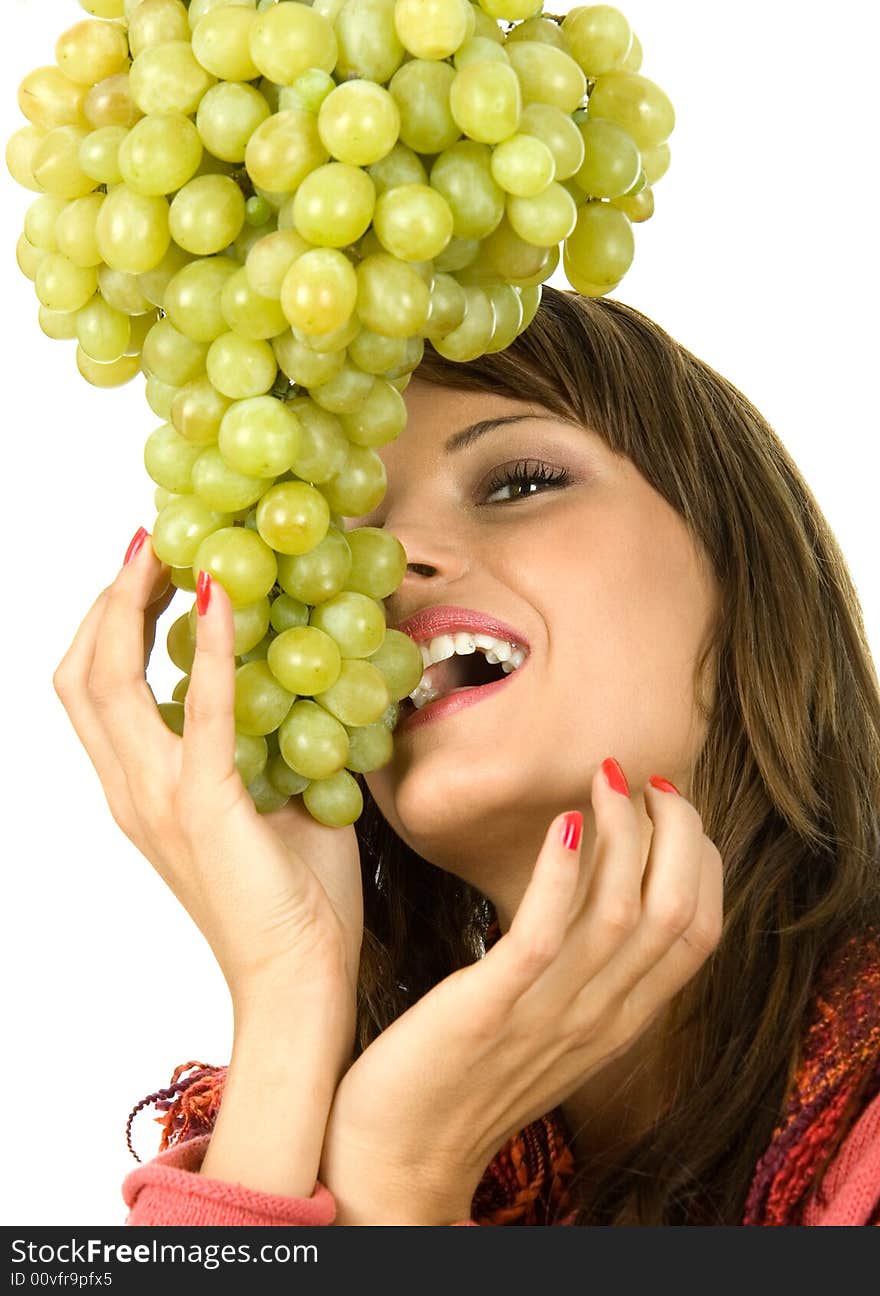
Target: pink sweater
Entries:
(170, 1190)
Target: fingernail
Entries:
(615, 776)
(663, 784)
(572, 827)
(137, 541)
(203, 592)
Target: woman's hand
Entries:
(277, 896)
(596, 949)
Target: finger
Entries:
(209, 706)
(610, 902)
(538, 930)
(691, 950)
(117, 685)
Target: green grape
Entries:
(170, 355)
(247, 312)
(271, 257)
(636, 104)
(345, 393)
(257, 654)
(511, 10)
(99, 154)
(58, 325)
(447, 308)
(103, 332)
(197, 411)
(314, 577)
(479, 49)
(259, 436)
(50, 99)
(160, 153)
(109, 103)
(139, 329)
(359, 486)
(288, 613)
(293, 517)
(113, 374)
(356, 622)
(221, 487)
(473, 335)
(601, 246)
(168, 78)
(284, 149)
(154, 282)
(335, 340)
(369, 747)
(160, 396)
(510, 256)
(559, 132)
(358, 122)
(486, 101)
(538, 29)
(180, 689)
(241, 561)
(548, 75)
(76, 230)
(421, 91)
(400, 166)
(636, 207)
(193, 298)
(655, 162)
(91, 50)
(251, 756)
(359, 696)
(40, 220)
(221, 43)
(180, 528)
(132, 230)
(63, 286)
(547, 268)
(380, 419)
(463, 176)
(633, 60)
(392, 297)
(241, 368)
(289, 39)
(375, 353)
(323, 448)
(250, 625)
(173, 714)
(523, 165)
(55, 163)
(20, 152)
(335, 801)
(507, 302)
(302, 365)
(261, 703)
(320, 290)
(413, 222)
(180, 643)
(313, 742)
(104, 8)
(308, 91)
(415, 350)
(228, 116)
(599, 38)
(154, 21)
(612, 161)
(431, 29)
(305, 660)
(545, 219)
(369, 46)
(399, 658)
(265, 795)
(334, 205)
(169, 459)
(206, 214)
(282, 777)
(531, 300)
(198, 8)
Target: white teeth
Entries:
(442, 647)
(425, 650)
(499, 653)
(464, 644)
(485, 641)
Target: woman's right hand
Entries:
(277, 896)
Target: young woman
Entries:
(460, 1010)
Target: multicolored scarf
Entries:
(527, 1182)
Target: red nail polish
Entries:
(203, 592)
(663, 784)
(572, 827)
(615, 776)
(137, 541)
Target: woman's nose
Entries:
(431, 555)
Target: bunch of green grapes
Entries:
(268, 208)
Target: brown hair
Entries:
(787, 782)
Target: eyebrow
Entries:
(467, 436)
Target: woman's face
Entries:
(598, 574)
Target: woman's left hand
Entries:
(595, 950)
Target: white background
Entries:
(759, 258)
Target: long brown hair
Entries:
(787, 782)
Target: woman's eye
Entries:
(522, 479)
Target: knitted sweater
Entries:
(835, 1094)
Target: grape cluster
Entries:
(268, 208)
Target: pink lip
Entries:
(432, 621)
(453, 702)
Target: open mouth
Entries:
(458, 672)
